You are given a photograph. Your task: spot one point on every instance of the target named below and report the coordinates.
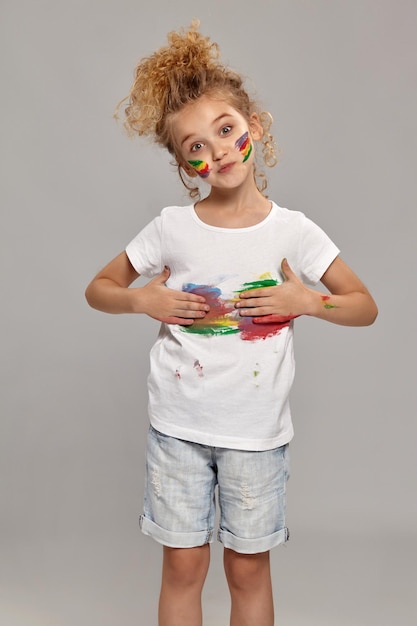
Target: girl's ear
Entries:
(255, 126)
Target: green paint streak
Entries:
(256, 373)
(248, 154)
(210, 330)
(330, 306)
(195, 163)
(258, 284)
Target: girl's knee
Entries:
(186, 566)
(246, 570)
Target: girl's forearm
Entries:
(105, 295)
(352, 309)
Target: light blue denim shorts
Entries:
(180, 502)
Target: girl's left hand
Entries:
(277, 304)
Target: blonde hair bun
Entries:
(169, 78)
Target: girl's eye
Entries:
(196, 146)
(225, 130)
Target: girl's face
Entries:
(214, 141)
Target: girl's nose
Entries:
(219, 152)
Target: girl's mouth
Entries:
(225, 168)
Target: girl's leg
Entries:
(249, 580)
(184, 571)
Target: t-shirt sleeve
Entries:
(316, 252)
(144, 251)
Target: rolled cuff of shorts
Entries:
(174, 539)
(253, 546)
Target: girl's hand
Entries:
(110, 291)
(276, 304)
(349, 302)
(168, 305)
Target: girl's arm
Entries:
(349, 302)
(110, 292)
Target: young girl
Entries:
(229, 273)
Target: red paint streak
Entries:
(251, 331)
(274, 319)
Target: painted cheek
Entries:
(243, 144)
(201, 167)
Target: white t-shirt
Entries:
(225, 381)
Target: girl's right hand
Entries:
(110, 291)
(169, 305)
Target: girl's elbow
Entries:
(372, 314)
(89, 296)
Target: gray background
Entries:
(340, 80)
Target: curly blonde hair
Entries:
(178, 74)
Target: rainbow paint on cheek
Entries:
(243, 144)
(201, 167)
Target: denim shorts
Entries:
(180, 502)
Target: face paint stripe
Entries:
(243, 144)
(201, 167)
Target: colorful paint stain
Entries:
(256, 373)
(244, 145)
(253, 331)
(218, 320)
(201, 167)
(224, 319)
(265, 326)
(198, 368)
(263, 281)
(327, 304)
(278, 319)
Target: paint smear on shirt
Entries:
(218, 320)
(252, 331)
(199, 368)
(265, 280)
(224, 319)
(256, 373)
